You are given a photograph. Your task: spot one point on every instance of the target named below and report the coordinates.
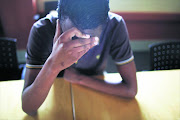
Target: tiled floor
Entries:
(141, 60)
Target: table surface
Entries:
(158, 98)
(57, 104)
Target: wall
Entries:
(17, 18)
(167, 6)
(40, 5)
(152, 25)
(170, 6)
(150, 19)
(145, 19)
(130, 9)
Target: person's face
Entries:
(67, 24)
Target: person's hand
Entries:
(66, 51)
(73, 76)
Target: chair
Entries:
(9, 68)
(165, 55)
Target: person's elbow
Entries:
(132, 93)
(28, 111)
(27, 108)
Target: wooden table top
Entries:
(158, 98)
(57, 104)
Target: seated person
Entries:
(77, 41)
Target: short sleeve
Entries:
(39, 44)
(120, 48)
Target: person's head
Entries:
(88, 16)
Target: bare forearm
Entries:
(35, 94)
(122, 89)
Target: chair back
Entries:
(8, 59)
(165, 55)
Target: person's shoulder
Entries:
(114, 21)
(113, 17)
(49, 21)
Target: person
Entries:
(75, 44)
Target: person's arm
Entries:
(37, 85)
(126, 89)
(65, 52)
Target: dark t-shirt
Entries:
(114, 40)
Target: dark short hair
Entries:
(84, 14)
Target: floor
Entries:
(141, 60)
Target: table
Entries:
(158, 98)
(57, 105)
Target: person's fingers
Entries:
(69, 34)
(79, 42)
(82, 41)
(82, 48)
(58, 31)
(80, 54)
(95, 41)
